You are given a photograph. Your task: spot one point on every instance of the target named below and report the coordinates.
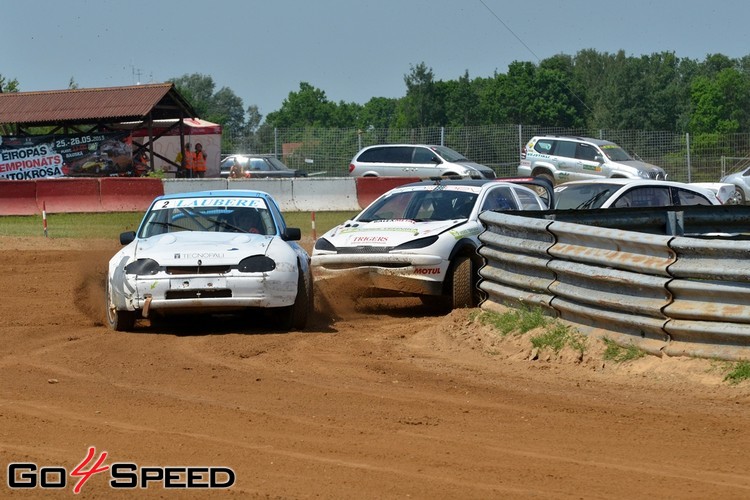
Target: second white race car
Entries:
(421, 239)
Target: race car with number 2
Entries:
(210, 252)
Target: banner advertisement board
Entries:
(97, 154)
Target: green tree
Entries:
(254, 118)
(462, 102)
(223, 107)
(344, 115)
(721, 104)
(307, 107)
(538, 95)
(421, 105)
(226, 108)
(378, 113)
(8, 85)
(493, 98)
(198, 89)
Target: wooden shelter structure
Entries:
(89, 110)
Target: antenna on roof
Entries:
(136, 71)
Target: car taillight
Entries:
(351, 168)
(523, 153)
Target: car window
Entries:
(275, 164)
(449, 154)
(424, 155)
(615, 152)
(242, 160)
(208, 215)
(544, 146)
(391, 154)
(258, 165)
(446, 205)
(645, 196)
(686, 197)
(586, 152)
(578, 196)
(394, 206)
(566, 149)
(500, 198)
(528, 200)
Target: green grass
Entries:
(739, 372)
(558, 336)
(555, 335)
(619, 354)
(110, 225)
(519, 320)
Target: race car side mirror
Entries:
(127, 237)
(292, 234)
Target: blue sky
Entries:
(352, 50)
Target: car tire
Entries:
(119, 321)
(296, 316)
(547, 176)
(462, 283)
(738, 198)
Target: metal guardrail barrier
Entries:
(686, 295)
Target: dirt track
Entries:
(385, 401)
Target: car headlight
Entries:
(325, 245)
(420, 243)
(256, 264)
(643, 174)
(142, 266)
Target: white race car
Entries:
(210, 252)
(621, 192)
(421, 239)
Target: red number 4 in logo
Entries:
(84, 475)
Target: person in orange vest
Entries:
(199, 161)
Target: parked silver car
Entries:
(568, 158)
(415, 160)
(741, 182)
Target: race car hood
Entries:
(187, 247)
(385, 233)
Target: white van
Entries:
(415, 160)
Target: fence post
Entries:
(520, 140)
(276, 141)
(442, 136)
(687, 143)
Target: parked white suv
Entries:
(415, 160)
(567, 158)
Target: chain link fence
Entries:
(327, 152)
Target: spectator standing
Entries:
(236, 171)
(185, 161)
(199, 161)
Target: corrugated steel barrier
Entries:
(684, 295)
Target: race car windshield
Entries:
(583, 196)
(254, 219)
(438, 204)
